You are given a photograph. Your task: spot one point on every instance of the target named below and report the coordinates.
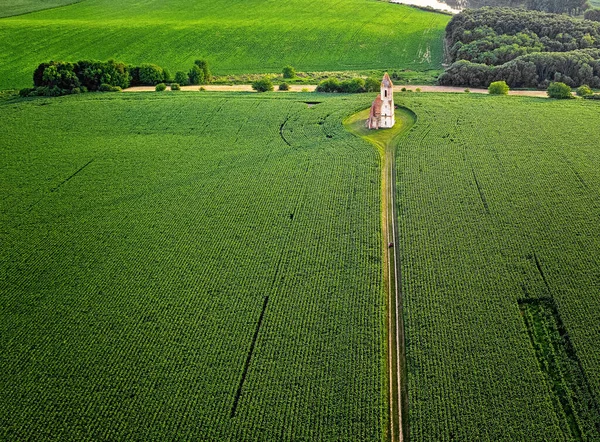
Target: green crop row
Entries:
(130, 293)
(498, 201)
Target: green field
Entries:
(499, 203)
(160, 251)
(253, 36)
(18, 7)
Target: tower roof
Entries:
(386, 82)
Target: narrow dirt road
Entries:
(386, 142)
(312, 87)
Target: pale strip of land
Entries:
(312, 87)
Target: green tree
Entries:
(372, 84)
(151, 74)
(181, 78)
(559, 90)
(592, 14)
(498, 88)
(203, 64)
(160, 87)
(196, 75)
(284, 86)
(263, 85)
(289, 72)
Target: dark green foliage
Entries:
(330, 85)
(60, 78)
(525, 48)
(150, 74)
(351, 86)
(56, 75)
(372, 84)
(196, 75)
(498, 88)
(93, 74)
(289, 72)
(559, 90)
(263, 85)
(160, 87)
(592, 14)
(592, 97)
(584, 90)
(182, 78)
(284, 86)
(206, 75)
(175, 87)
(108, 88)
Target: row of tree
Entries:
(573, 7)
(530, 71)
(524, 48)
(62, 78)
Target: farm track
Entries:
(312, 87)
(397, 382)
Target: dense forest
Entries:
(524, 48)
(573, 7)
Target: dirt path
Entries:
(312, 87)
(386, 142)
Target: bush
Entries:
(206, 75)
(181, 78)
(353, 86)
(27, 92)
(151, 74)
(107, 88)
(202, 89)
(329, 86)
(160, 87)
(559, 90)
(372, 84)
(592, 97)
(403, 89)
(498, 88)
(175, 87)
(467, 91)
(289, 72)
(263, 85)
(418, 89)
(584, 90)
(284, 87)
(196, 75)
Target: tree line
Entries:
(56, 78)
(524, 48)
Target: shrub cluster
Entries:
(524, 48)
(263, 85)
(351, 86)
(498, 88)
(559, 90)
(62, 78)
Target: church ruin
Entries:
(382, 109)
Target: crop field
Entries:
(499, 206)
(254, 36)
(18, 7)
(192, 266)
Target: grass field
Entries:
(499, 203)
(192, 266)
(254, 36)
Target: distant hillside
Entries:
(18, 7)
(253, 36)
